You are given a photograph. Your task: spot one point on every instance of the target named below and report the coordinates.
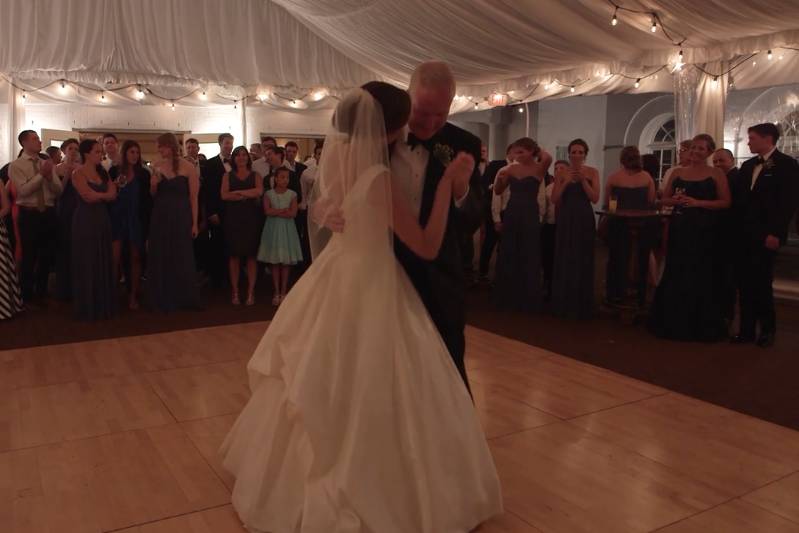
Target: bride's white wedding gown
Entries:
(359, 421)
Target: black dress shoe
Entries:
(766, 340)
(742, 339)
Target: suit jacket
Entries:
(490, 175)
(299, 168)
(211, 187)
(767, 208)
(440, 282)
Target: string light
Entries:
(715, 81)
(547, 86)
(521, 109)
(139, 93)
(203, 96)
(637, 83)
(754, 63)
(571, 88)
(654, 27)
(172, 106)
(102, 96)
(781, 56)
(615, 20)
(262, 96)
(318, 95)
(769, 55)
(476, 105)
(63, 87)
(24, 95)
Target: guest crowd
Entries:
(97, 216)
(705, 236)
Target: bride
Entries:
(359, 421)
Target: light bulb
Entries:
(654, 27)
(102, 97)
(24, 95)
(262, 96)
(63, 87)
(318, 95)
(715, 81)
(615, 20)
(476, 105)
(521, 110)
(547, 86)
(572, 88)
(769, 55)
(139, 93)
(172, 106)
(203, 96)
(637, 83)
(754, 63)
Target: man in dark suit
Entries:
(491, 236)
(210, 196)
(291, 159)
(420, 158)
(727, 234)
(768, 190)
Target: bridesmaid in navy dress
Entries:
(518, 277)
(133, 182)
(685, 306)
(67, 203)
(171, 276)
(93, 283)
(575, 189)
(633, 189)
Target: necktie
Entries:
(40, 191)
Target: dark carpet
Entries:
(758, 382)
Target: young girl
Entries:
(280, 243)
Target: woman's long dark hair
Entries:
(86, 147)
(124, 166)
(233, 166)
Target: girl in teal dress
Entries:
(280, 243)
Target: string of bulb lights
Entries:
(142, 91)
(494, 100)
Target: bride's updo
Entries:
(395, 103)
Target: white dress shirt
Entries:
(409, 167)
(759, 167)
(307, 181)
(31, 185)
(549, 218)
(261, 167)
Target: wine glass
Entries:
(678, 193)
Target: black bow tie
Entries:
(226, 160)
(414, 141)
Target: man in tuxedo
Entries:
(768, 190)
(292, 149)
(210, 195)
(727, 233)
(419, 158)
(491, 236)
(112, 156)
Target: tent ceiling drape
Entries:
(493, 45)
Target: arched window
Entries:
(664, 147)
(789, 138)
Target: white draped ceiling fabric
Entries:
(287, 49)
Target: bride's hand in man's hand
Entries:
(460, 172)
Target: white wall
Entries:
(563, 120)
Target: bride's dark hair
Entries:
(394, 102)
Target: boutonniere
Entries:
(443, 153)
(768, 165)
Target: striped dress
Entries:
(10, 296)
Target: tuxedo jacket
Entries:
(490, 174)
(767, 208)
(211, 186)
(440, 282)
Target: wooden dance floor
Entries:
(122, 435)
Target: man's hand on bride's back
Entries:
(325, 214)
(460, 172)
